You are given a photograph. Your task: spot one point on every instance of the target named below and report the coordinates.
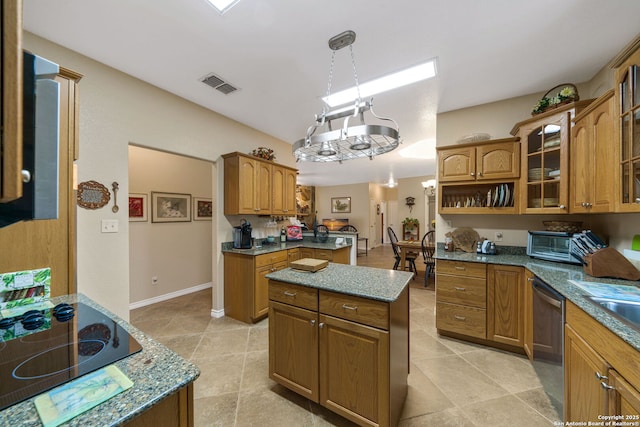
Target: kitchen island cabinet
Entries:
(162, 392)
(340, 337)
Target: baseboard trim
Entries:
(217, 313)
(171, 295)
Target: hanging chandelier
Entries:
(352, 138)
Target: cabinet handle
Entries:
(290, 294)
(321, 325)
(530, 279)
(274, 269)
(461, 268)
(460, 289)
(26, 176)
(349, 307)
(607, 386)
(455, 316)
(601, 377)
(313, 322)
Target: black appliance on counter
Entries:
(548, 341)
(71, 340)
(242, 235)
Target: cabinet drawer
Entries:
(461, 290)
(325, 254)
(271, 258)
(299, 296)
(461, 268)
(461, 319)
(361, 310)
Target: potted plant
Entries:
(410, 223)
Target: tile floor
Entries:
(452, 383)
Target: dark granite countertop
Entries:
(306, 242)
(557, 275)
(156, 372)
(367, 282)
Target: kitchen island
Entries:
(162, 392)
(340, 337)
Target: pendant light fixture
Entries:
(353, 138)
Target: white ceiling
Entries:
(276, 53)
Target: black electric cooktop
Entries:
(42, 349)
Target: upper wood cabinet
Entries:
(259, 187)
(496, 159)
(544, 183)
(284, 190)
(627, 113)
(593, 151)
(11, 63)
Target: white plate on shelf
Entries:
(507, 199)
(496, 196)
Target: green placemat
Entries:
(75, 397)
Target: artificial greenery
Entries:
(410, 222)
(566, 94)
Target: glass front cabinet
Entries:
(544, 176)
(628, 126)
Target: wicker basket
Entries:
(552, 99)
(563, 226)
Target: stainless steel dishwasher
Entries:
(548, 341)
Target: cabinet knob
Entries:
(562, 207)
(321, 325)
(26, 176)
(583, 204)
(637, 199)
(479, 173)
(472, 174)
(313, 322)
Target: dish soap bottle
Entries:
(283, 235)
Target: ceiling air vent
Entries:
(218, 84)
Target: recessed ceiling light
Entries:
(392, 81)
(223, 5)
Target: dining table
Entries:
(405, 247)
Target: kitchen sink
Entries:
(628, 311)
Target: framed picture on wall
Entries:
(202, 209)
(138, 206)
(170, 207)
(341, 205)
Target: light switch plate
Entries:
(109, 225)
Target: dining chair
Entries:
(428, 248)
(410, 257)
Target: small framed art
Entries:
(341, 205)
(138, 207)
(170, 207)
(202, 209)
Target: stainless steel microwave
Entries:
(551, 246)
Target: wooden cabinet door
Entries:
(307, 253)
(624, 399)
(263, 188)
(293, 255)
(354, 371)
(289, 191)
(585, 398)
(604, 158)
(261, 288)
(528, 314)
(246, 186)
(11, 62)
(498, 161)
(505, 296)
(278, 183)
(293, 349)
(457, 164)
(581, 157)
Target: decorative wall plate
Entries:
(92, 195)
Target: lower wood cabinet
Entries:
(174, 410)
(340, 256)
(348, 354)
(602, 372)
(481, 301)
(527, 311)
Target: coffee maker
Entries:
(242, 235)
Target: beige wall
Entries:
(116, 110)
(359, 216)
(178, 254)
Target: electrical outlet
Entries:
(109, 225)
(498, 236)
(154, 280)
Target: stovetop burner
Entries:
(42, 349)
